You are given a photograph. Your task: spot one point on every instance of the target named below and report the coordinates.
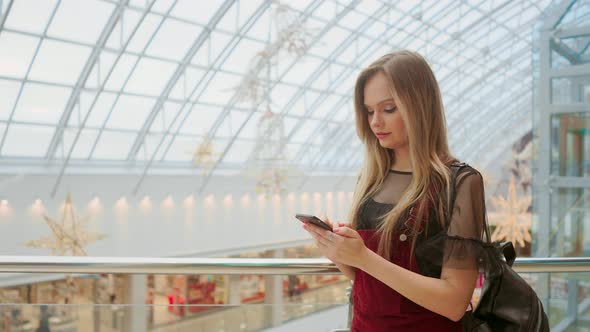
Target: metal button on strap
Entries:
(403, 237)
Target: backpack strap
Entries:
(507, 250)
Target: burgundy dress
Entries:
(379, 308)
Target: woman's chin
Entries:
(386, 144)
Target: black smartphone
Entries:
(306, 218)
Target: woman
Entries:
(417, 214)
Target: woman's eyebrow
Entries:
(383, 101)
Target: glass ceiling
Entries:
(104, 85)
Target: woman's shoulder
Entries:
(460, 167)
(462, 172)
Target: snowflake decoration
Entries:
(203, 155)
(512, 220)
(69, 235)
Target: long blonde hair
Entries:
(417, 96)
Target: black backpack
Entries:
(507, 302)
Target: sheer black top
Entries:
(456, 244)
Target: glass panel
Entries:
(144, 33)
(150, 77)
(182, 149)
(59, 62)
(121, 72)
(293, 150)
(245, 51)
(4, 6)
(149, 146)
(173, 40)
(262, 25)
(2, 128)
(327, 107)
(301, 71)
(100, 70)
(73, 14)
(247, 9)
(570, 90)
(8, 93)
(16, 53)
(114, 145)
(290, 123)
(221, 88)
(130, 112)
(239, 151)
(229, 21)
(281, 94)
(568, 298)
(330, 41)
(163, 120)
(41, 103)
(169, 318)
(575, 14)
(232, 122)
(251, 128)
(101, 109)
(322, 81)
(200, 119)
(162, 6)
(345, 113)
(187, 83)
(307, 129)
(353, 19)
(118, 38)
(218, 44)
(29, 15)
(27, 141)
(198, 12)
(299, 107)
(204, 303)
(166, 141)
(570, 222)
(570, 144)
(84, 144)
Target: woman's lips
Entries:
(382, 135)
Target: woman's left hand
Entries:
(344, 245)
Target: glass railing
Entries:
(194, 294)
(111, 318)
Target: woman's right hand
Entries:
(345, 269)
(332, 224)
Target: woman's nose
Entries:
(376, 120)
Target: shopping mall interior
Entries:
(186, 135)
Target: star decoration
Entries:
(203, 155)
(512, 220)
(69, 235)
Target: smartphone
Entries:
(306, 218)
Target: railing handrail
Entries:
(151, 265)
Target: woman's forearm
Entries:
(437, 295)
(347, 270)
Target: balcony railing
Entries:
(562, 282)
(283, 266)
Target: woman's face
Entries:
(383, 114)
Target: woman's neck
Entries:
(402, 160)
